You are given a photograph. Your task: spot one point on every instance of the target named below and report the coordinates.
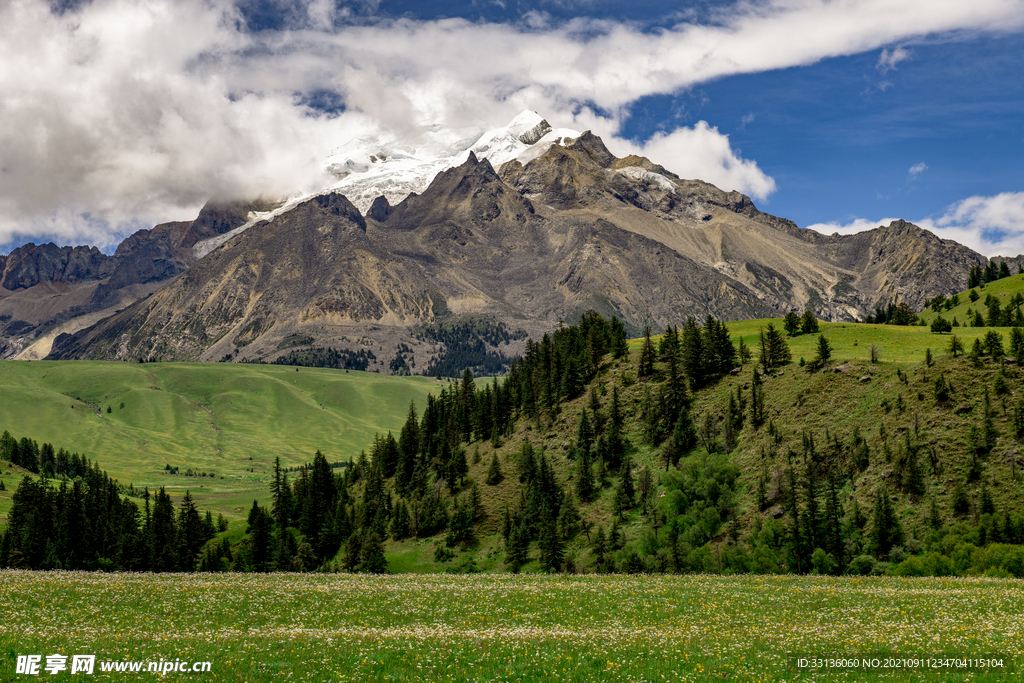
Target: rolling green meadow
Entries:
(336, 627)
(226, 419)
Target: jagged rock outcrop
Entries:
(32, 264)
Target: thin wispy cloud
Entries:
(120, 112)
(888, 60)
(917, 169)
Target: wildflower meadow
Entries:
(338, 627)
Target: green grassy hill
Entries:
(1004, 290)
(227, 419)
(891, 404)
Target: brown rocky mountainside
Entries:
(524, 247)
(46, 290)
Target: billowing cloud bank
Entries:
(121, 113)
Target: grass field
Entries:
(509, 628)
(1004, 290)
(852, 341)
(225, 418)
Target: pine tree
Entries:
(756, 400)
(988, 507)
(260, 524)
(584, 433)
(774, 350)
(645, 489)
(934, 518)
(988, 427)
(886, 531)
(682, 440)
(960, 503)
(599, 549)
(913, 478)
(584, 477)
(833, 526)
(646, 365)
(354, 551)
(372, 558)
(552, 550)
(517, 548)
(626, 480)
(975, 354)
(822, 354)
(808, 323)
(791, 323)
(408, 450)
(615, 412)
(694, 354)
(401, 525)
(494, 475)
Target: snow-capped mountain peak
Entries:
(366, 168)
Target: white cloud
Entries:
(854, 226)
(917, 169)
(702, 152)
(888, 60)
(991, 225)
(139, 110)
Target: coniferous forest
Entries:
(77, 517)
(692, 452)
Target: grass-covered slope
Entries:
(230, 420)
(891, 404)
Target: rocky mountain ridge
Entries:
(557, 225)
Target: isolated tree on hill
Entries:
(940, 325)
(791, 323)
(941, 390)
(822, 354)
(774, 349)
(808, 323)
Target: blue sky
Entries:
(838, 115)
